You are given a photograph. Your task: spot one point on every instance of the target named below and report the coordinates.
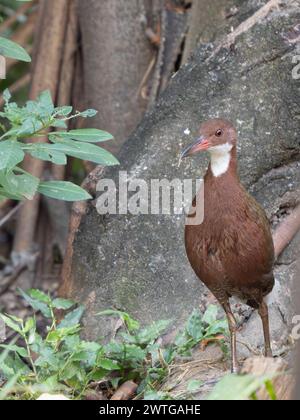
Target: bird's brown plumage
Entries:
(232, 251)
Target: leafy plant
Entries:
(58, 360)
(34, 120)
(201, 328)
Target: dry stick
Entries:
(125, 392)
(10, 214)
(11, 20)
(15, 87)
(50, 43)
(286, 231)
(246, 25)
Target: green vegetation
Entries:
(35, 120)
(58, 360)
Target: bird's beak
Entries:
(200, 144)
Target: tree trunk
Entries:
(116, 56)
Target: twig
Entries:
(286, 231)
(10, 214)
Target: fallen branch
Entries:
(286, 231)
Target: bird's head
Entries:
(216, 135)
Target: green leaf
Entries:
(151, 333)
(99, 374)
(44, 152)
(131, 323)
(24, 185)
(69, 372)
(63, 111)
(210, 315)
(108, 364)
(11, 154)
(194, 326)
(29, 325)
(90, 135)
(16, 349)
(125, 352)
(63, 190)
(85, 151)
(11, 324)
(217, 327)
(73, 318)
(65, 304)
(46, 102)
(39, 296)
(36, 305)
(89, 113)
(12, 50)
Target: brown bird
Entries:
(232, 250)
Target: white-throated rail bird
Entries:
(232, 250)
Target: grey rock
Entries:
(138, 263)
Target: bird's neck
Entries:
(223, 160)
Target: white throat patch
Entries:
(220, 158)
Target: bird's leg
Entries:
(264, 314)
(233, 329)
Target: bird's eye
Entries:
(219, 133)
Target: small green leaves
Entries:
(63, 190)
(22, 185)
(64, 362)
(34, 120)
(63, 111)
(12, 50)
